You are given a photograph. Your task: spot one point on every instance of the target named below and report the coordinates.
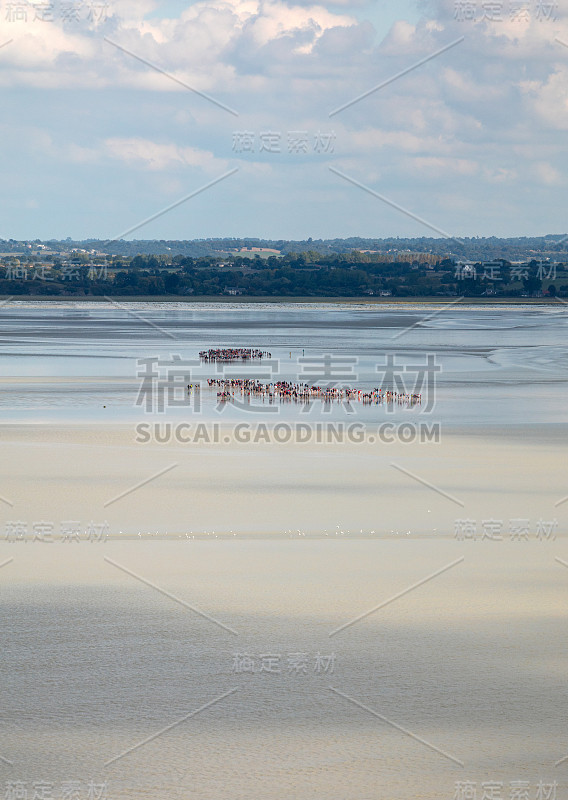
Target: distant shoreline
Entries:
(231, 300)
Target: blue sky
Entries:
(469, 143)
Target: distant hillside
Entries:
(477, 249)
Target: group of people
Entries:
(286, 391)
(226, 355)
(304, 393)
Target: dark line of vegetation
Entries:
(307, 274)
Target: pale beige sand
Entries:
(471, 661)
(69, 473)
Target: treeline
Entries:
(296, 275)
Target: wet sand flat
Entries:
(261, 487)
(227, 616)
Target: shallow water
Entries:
(81, 362)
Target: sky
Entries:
(167, 119)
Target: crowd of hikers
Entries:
(228, 388)
(229, 354)
(287, 391)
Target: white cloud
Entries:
(547, 174)
(499, 175)
(549, 99)
(443, 167)
(490, 113)
(369, 141)
(156, 156)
